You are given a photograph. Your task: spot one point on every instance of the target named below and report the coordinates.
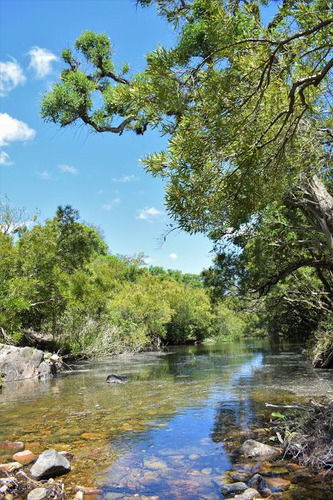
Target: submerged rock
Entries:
(248, 494)
(231, 489)
(50, 464)
(259, 451)
(114, 379)
(276, 484)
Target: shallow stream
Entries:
(163, 433)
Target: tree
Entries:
(245, 105)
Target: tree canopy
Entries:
(245, 103)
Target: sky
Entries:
(100, 175)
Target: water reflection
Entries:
(164, 430)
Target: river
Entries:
(165, 433)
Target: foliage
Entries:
(243, 103)
(57, 279)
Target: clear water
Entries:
(165, 432)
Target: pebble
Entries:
(10, 467)
(276, 484)
(248, 494)
(24, 457)
(154, 463)
(13, 446)
(37, 494)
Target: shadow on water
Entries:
(163, 432)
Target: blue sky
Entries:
(98, 174)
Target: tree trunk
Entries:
(317, 205)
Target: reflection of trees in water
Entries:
(233, 419)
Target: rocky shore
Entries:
(19, 363)
(26, 476)
(259, 471)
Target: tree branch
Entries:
(264, 288)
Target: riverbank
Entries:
(298, 466)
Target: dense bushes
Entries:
(58, 280)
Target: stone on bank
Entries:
(50, 464)
(19, 363)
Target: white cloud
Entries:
(4, 159)
(41, 60)
(173, 256)
(148, 213)
(11, 75)
(14, 130)
(68, 169)
(45, 175)
(109, 206)
(125, 178)
(148, 261)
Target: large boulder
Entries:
(18, 363)
(259, 451)
(50, 464)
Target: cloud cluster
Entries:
(41, 61)
(109, 206)
(11, 75)
(148, 213)
(125, 178)
(4, 158)
(45, 175)
(68, 169)
(12, 129)
(173, 256)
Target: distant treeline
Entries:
(58, 281)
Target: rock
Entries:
(24, 457)
(302, 475)
(38, 494)
(248, 494)
(10, 467)
(79, 495)
(47, 370)
(88, 491)
(67, 454)
(17, 363)
(240, 475)
(50, 464)
(154, 463)
(12, 446)
(276, 484)
(265, 492)
(293, 467)
(114, 379)
(231, 489)
(259, 451)
(255, 481)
